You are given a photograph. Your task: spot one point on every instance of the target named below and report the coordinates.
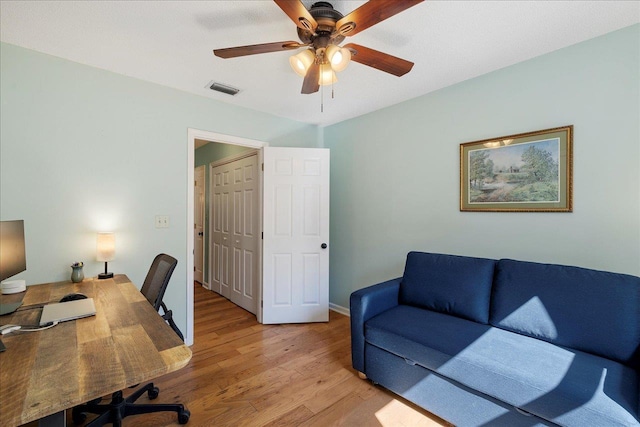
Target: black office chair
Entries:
(156, 283)
(153, 289)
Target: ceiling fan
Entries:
(321, 29)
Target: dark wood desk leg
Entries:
(59, 419)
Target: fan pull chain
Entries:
(332, 82)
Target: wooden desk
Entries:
(46, 372)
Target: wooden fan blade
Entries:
(379, 60)
(299, 14)
(371, 13)
(253, 49)
(311, 82)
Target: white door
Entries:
(236, 231)
(295, 275)
(220, 204)
(198, 225)
(245, 233)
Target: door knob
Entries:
(201, 234)
(323, 246)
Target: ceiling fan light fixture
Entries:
(338, 57)
(322, 29)
(301, 62)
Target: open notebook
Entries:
(70, 310)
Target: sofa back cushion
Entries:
(451, 284)
(594, 311)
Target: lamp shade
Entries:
(302, 61)
(106, 247)
(12, 249)
(327, 76)
(339, 57)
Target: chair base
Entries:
(119, 408)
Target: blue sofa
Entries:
(483, 342)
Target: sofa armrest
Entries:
(363, 305)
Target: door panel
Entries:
(296, 225)
(249, 275)
(283, 289)
(310, 279)
(215, 273)
(226, 260)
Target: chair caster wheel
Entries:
(183, 416)
(153, 393)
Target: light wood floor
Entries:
(246, 374)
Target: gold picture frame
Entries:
(527, 172)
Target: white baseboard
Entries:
(339, 309)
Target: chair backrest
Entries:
(158, 278)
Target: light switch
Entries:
(162, 221)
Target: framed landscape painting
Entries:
(528, 172)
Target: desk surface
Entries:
(124, 344)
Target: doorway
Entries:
(293, 282)
(192, 136)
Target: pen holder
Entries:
(77, 275)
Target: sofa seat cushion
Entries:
(560, 385)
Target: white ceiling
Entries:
(171, 43)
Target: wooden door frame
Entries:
(192, 135)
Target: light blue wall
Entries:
(215, 151)
(83, 150)
(395, 172)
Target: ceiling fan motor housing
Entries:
(326, 17)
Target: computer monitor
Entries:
(13, 259)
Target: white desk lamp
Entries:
(106, 250)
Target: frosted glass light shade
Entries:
(106, 247)
(339, 57)
(327, 76)
(302, 61)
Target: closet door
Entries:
(220, 200)
(235, 234)
(244, 235)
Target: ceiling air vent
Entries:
(219, 87)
